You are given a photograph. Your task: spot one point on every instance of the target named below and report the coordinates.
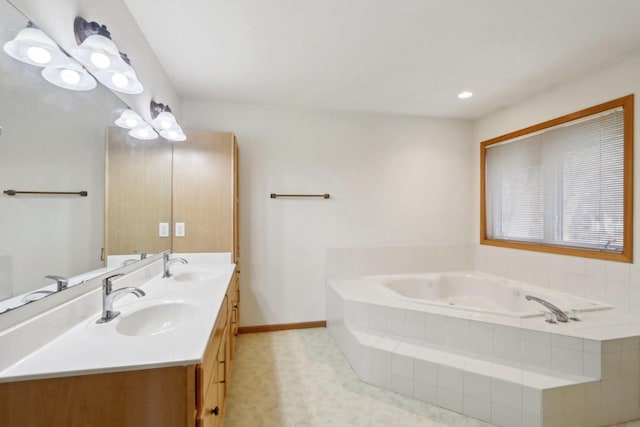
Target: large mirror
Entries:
(51, 140)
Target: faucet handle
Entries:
(62, 282)
(106, 282)
(550, 317)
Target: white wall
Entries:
(394, 181)
(617, 283)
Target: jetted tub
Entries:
(479, 292)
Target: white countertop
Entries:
(89, 348)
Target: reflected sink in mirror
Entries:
(155, 317)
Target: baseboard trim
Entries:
(281, 327)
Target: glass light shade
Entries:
(129, 119)
(33, 46)
(71, 76)
(174, 133)
(123, 82)
(165, 120)
(144, 132)
(100, 53)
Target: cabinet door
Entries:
(235, 315)
(203, 192)
(212, 407)
(223, 367)
(138, 194)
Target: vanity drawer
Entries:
(205, 371)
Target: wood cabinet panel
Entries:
(234, 321)
(195, 183)
(206, 370)
(203, 192)
(162, 397)
(137, 194)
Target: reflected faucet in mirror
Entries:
(62, 282)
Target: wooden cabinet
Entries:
(137, 194)
(193, 182)
(178, 396)
(234, 322)
(204, 192)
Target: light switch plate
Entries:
(163, 229)
(179, 229)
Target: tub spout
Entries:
(560, 315)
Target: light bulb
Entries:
(173, 134)
(128, 119)
(39, 55)
(465, 95)
(131, 122)
(71, 77)
(144, 133)
(166, 124)
(100, 60)
(119, 80)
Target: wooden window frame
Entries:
(626, 103)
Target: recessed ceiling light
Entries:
(465, 95)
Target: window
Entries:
(563, 186)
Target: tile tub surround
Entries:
(507, 371)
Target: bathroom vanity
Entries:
(165, 361)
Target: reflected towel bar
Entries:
(76, 193)
(323, 196)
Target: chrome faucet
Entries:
(109, 296)
(168, 261)
(62, 282)
(560, 315)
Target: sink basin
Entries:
(191, 275)
(158, 318)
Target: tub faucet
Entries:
(62, 282)
(109, 296)
(560, 315)
(168, 261)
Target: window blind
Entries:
(561, 186)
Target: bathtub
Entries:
(477, 292)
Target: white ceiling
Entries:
(387, 56)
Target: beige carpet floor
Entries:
(300, 378)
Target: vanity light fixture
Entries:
(165, 122)
(70, 76)
(32, 46)
(465, 95)
(101, 56)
